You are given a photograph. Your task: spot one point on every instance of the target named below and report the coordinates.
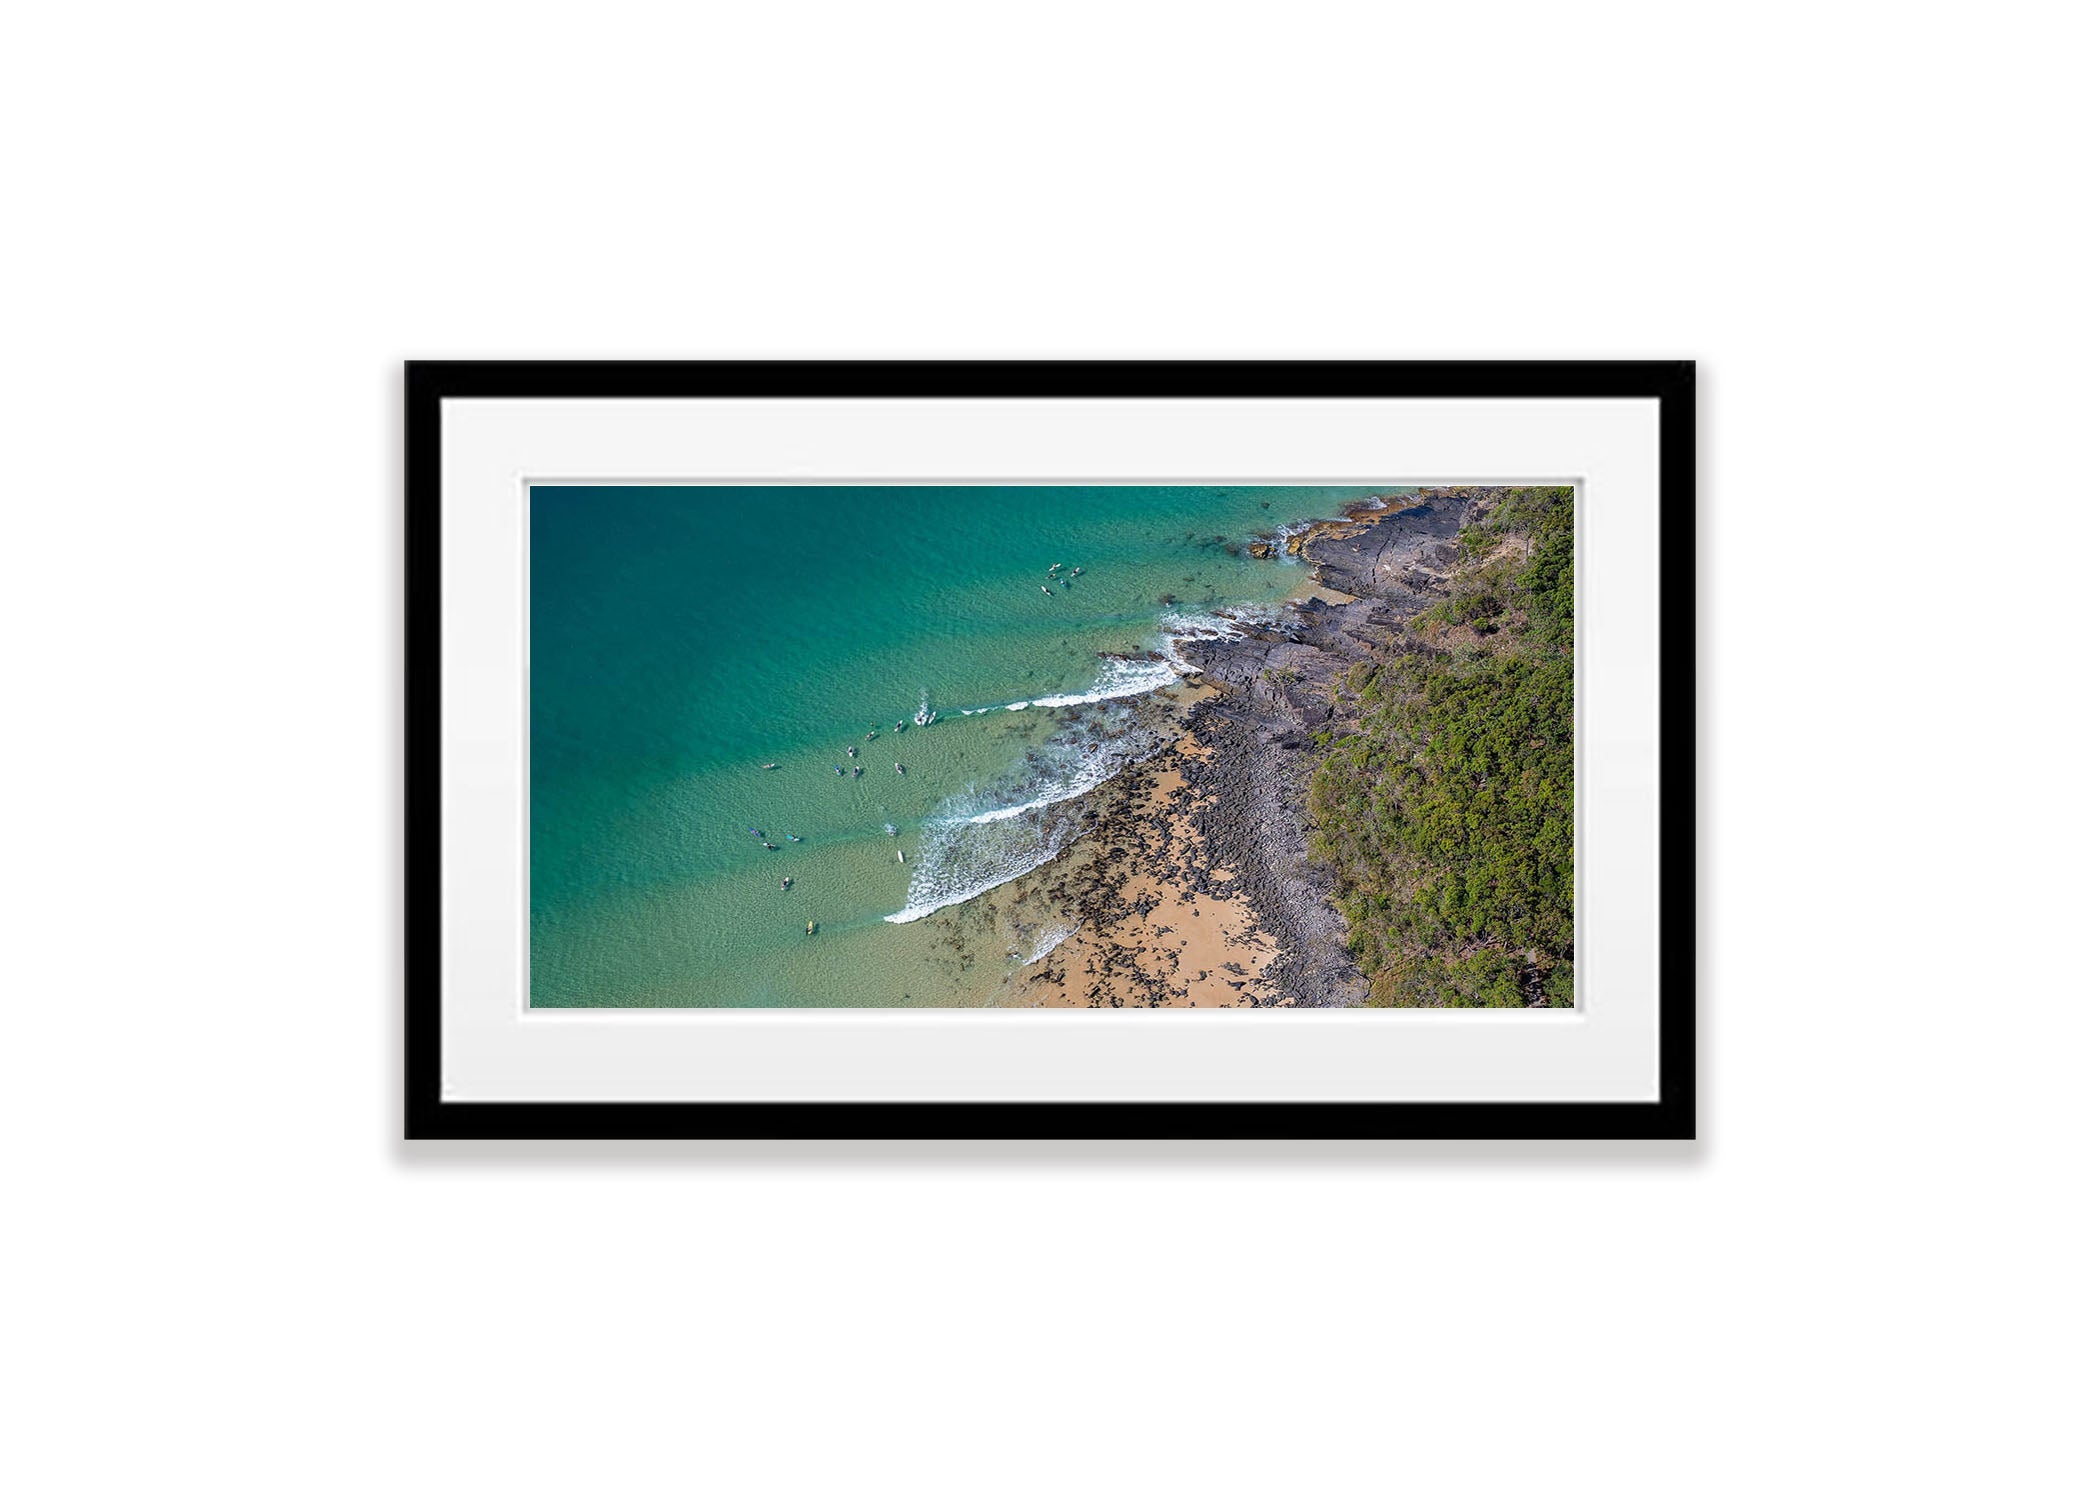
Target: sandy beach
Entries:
(1153, 919)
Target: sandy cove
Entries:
(1154, 921)
(1192, 882)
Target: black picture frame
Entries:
(429, 383)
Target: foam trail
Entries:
(1045, 944)
(970, 848)
(1282, 537)
(1119, 677)
(958, 861)
(1094, 764)
(1227, 625)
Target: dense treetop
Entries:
(1448, 810)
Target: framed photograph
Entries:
(908, 750)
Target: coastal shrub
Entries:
(1463, 609)
(1547, 583)
(1534, 512)
(1478, 608)
(1550, 581)
(1447, 812)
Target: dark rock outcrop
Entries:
(1278, 687)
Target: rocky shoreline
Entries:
(1203, 850)
(1277, 690)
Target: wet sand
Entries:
(1155, 922)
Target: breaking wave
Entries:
(1119, 677)
(1281, 537)
(1046, 942)
(958, 862)
(979, 840)
(1225, 625)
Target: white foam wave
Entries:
(961, 861)
(1226, 625)
(1119, 677)
(1001, 814)
(1047, 942)
(969, 848)
(1093, 764)
(1280, 540)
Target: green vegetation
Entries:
(1449, 810)
(1475, 609)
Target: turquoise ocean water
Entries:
(682, 637)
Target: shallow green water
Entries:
(682, 637)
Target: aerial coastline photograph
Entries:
(1106, 746)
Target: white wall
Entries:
(227, 224)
